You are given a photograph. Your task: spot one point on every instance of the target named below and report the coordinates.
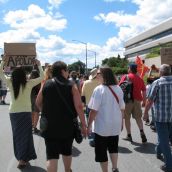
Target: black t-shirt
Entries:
(60, 119)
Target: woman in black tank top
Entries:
(59, 134)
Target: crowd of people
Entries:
(61, 98)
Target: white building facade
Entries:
(143, 43)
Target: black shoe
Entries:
(143, 137)
(163, 168)
(22, 166)
(115, 170)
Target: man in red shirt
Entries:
(133, 107)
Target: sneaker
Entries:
(170, 142)
(147, 122)
(153, 128)
(36, 131)
(159, 156)
(115, 170)
(92, 143)
(129, 138)
(143, 137)
(163, 168)
(3, 102)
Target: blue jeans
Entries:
(164, 131)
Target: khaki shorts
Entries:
(134, 109)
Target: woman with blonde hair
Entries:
(47, 75)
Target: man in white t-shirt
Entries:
(87, 90)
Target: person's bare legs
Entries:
(139, 123)
(114, 160)
(52, 165)
(128, 126)
(67, 161)
(36, 119)
(104, 166)
(140, 126)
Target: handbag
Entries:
(77, 131)
(77, 128)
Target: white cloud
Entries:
(55, 3)
(25, 26)
(34, 18)
(18, 36)
(149, 13)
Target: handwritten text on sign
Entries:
(20, 60)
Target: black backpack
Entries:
(127, 88)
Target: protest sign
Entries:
(22, 54)
(166, 56)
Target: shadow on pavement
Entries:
(5, 104)
(124, 150)
(33, 169)
(147, 148)
(75, 152)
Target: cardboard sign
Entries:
(166, 56)
(20, 49)
(22, 54)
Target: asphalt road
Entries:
(135, 157)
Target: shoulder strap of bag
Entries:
(62, 98)
(127, 77)
(116, 97)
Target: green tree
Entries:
(77, 66)
(119, 65)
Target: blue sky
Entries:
(103, 24)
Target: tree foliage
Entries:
(77, 66)
(119, 65)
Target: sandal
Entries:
(22, 165)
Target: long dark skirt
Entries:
(22, 136)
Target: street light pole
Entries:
(86, 69)
(95, 54)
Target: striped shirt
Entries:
(161, 93)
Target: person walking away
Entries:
(75, 79)
(161, 95)
(60, 131)
(108, 118)
(20, 112)
(3, 92)
(47, 75)
(35, 111)
(87, 90)
(133, 107)
(148, 86)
